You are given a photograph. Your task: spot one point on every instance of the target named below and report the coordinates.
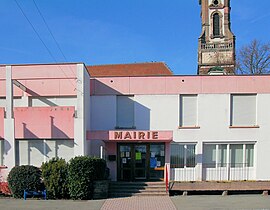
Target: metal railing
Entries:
(183, 172)
(227, 171)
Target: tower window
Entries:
(215, 2)
(216, 25)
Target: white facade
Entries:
(219, 125)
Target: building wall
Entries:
(159, 109)
(30, 136)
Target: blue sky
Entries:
(119, 31)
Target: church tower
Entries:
(216, 51)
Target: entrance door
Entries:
(125, 164)
(141, 161)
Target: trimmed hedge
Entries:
(54, 174)
(82, 171)
(23, 178)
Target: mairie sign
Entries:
(136, 135)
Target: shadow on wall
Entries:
(56, 132)
(141, 113)
(25, 147)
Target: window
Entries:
(188, 110)
(250, 155)
(215, 155)
(216, 25)
(215, 2)
(34, 152)
(125, 112)
(236, 154)
(243, 110)
(222, 155)
(209, 155)
(183, 155)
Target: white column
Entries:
(101, 152)
(9, 130)
(79, 121)
(199, 161)
(228, 162)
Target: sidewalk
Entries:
(139, 203)
(235, 202)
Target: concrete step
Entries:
(123, 194)
(127, 189)
(136, 187)
(138, 190)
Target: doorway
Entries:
(141, 161)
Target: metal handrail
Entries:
(167, 178)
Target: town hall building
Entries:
(140, 118)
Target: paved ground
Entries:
(139, 203)
(15, 204)
(235, 202)
(232, 202)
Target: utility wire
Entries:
(28, 20)
(50, 31)
(36, 31)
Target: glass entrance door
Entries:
(125, 163)
(140, 161)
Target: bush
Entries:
(54, 174)
(23, 178)
(82, 171)
(100, 169)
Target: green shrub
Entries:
(100, 169)
(23, 178)
(82, 171)
(54, 174)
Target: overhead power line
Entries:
(44, 44)
(28, 20)
(50, 31)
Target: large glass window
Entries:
(250, 155)
(209, 155)
(243, 110)
(222, 155)
(188, 110)
(236, 153)
(183, 155)
(125, 112)
(215, 155)
(35, 152)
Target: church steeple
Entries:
(216, 43)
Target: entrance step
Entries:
(128, 189)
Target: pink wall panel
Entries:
(115, 85)
(154, 85)
(1, 122)
(44, 122)
(44, 71)
(181, 85)
(2, 88)
(46, 80)
(46, 87)
(2, 72)
(50, 87)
